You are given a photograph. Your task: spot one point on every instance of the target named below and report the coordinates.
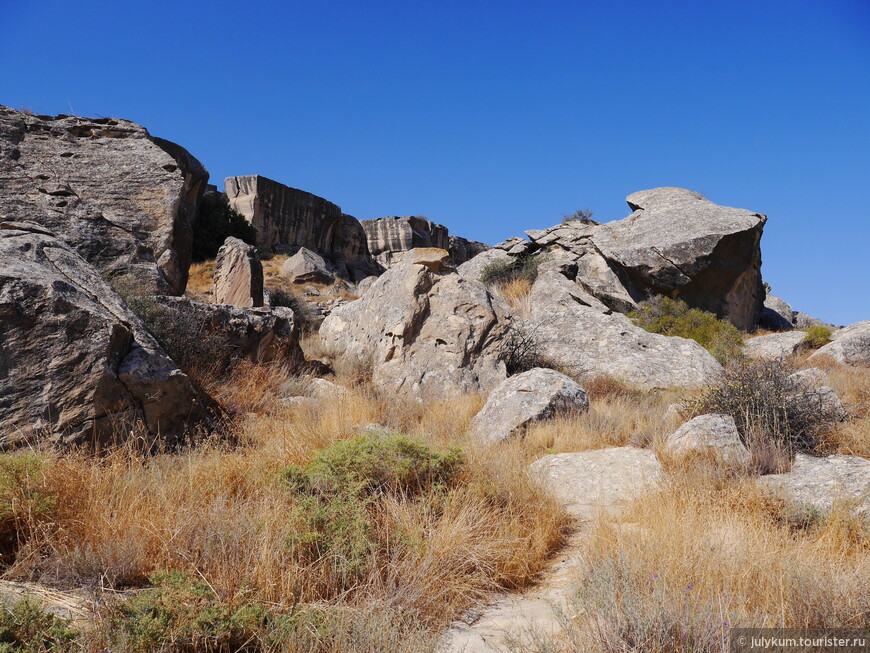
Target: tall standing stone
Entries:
(238, 275)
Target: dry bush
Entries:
(516, 292)
(687, 563)
(607, 386)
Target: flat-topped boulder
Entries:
(774, 345)
(822, 481)
(123, 199)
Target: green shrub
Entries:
(524, 266)
(771, 410)
(26, 627)
(673, 317)
(301, 308)
(215, 221)
(817, 336)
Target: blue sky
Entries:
(496, 117)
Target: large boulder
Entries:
(76, 365)
(774, 346)
(238, 275)
(820, 482)
(121, 198)
(389, 238)
(462, 249)
(714, 436)
(850, 345)
(428, 332)
(286, 216)
(306, 266)
(526, 398)
(588, 482)
(777, 314)
(474, 267)
(679, 244)
(578, 333)
(260, 334)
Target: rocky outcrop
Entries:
(820, 482)
(473, 268)
(588, 482)
(462, 249)
(306, 266)
(121, 198)
(711, 437)
(774, 345)
(295, 218)
(526, 398)
(76, 365)
(850, 345)
(428, 332)
(777, 314)
(578, 333)
(238, 275)
(260, 334)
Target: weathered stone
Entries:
(76, 365)
(588, 482)
(709, 435)
(390, 238)
(597, 276)
(306, 266)
(850, 345)
(829, 402)
(428, 332)
(462, 249)
(679, 244)
(238, 275)
(288, 216)
(777, 314)
(521, 400)
(121, 198)
(804, 321)
(473, 268)
(258, 334)
(774, 345)
(819, 482)
(578, 333)
(365, 284)
(515, 245)
(811, 377)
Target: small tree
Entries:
(584, 215)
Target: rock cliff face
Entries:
(289, 216)
(121, 198)
(389, 239)
(76, 365)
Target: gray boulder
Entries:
(774, 345)
(462, 249)
(428, 332)
(473, 268)
(76, 365)
(777, 314)
(804, 321)
(122, 199)
(850, 345)
(306, 266)
(679, 244)
(709, 435)
(238, 275)
(589, 482)
(819, 482)
(521, 400)
(578, 333)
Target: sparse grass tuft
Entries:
(501, 273)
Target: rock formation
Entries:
(428, 332)
(76, 365)
(306, 266)
(850, 345)
(238, 275)
(390, 238)
(288, 216)
(713, 436)
(777, 314)
(578, 333)
(820, 482)
(121, 198)
(526, 398)
(774, 345)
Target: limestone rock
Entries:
(603, 479)
(850, 345)
(260, 334)
(121, 198)
(526, 398)
(473, 268)
(428, 332)
(811, 377)
(462, 249)
(777, 314)
(820, 482)
(714, 435)
(389, 238)
(599, 278)
(577, 332)
(289, 216)
(76, 365)
(238, 275)
(365, 284)
(804, 321)
(774, 345)
(677, 243)
(306, 266)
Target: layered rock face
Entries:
(428, 332)
(76, 365)
(389, 239)
(121, 198)
(238, 275)
(288, 216)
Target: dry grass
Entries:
(516, 293)
(852, 384)
(200, 282)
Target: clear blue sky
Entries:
(496, 117)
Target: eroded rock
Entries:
(238, 275)
(819, 482)
(774, 345)
(715, 436)
(850, 345)
(306, 266)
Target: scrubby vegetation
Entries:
(215, 222)
(525, 266)
(673, 317)
(26, 627)
(817, 336)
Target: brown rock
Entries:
(238, 275)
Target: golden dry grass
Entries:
(516, 293)
(200, 281)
